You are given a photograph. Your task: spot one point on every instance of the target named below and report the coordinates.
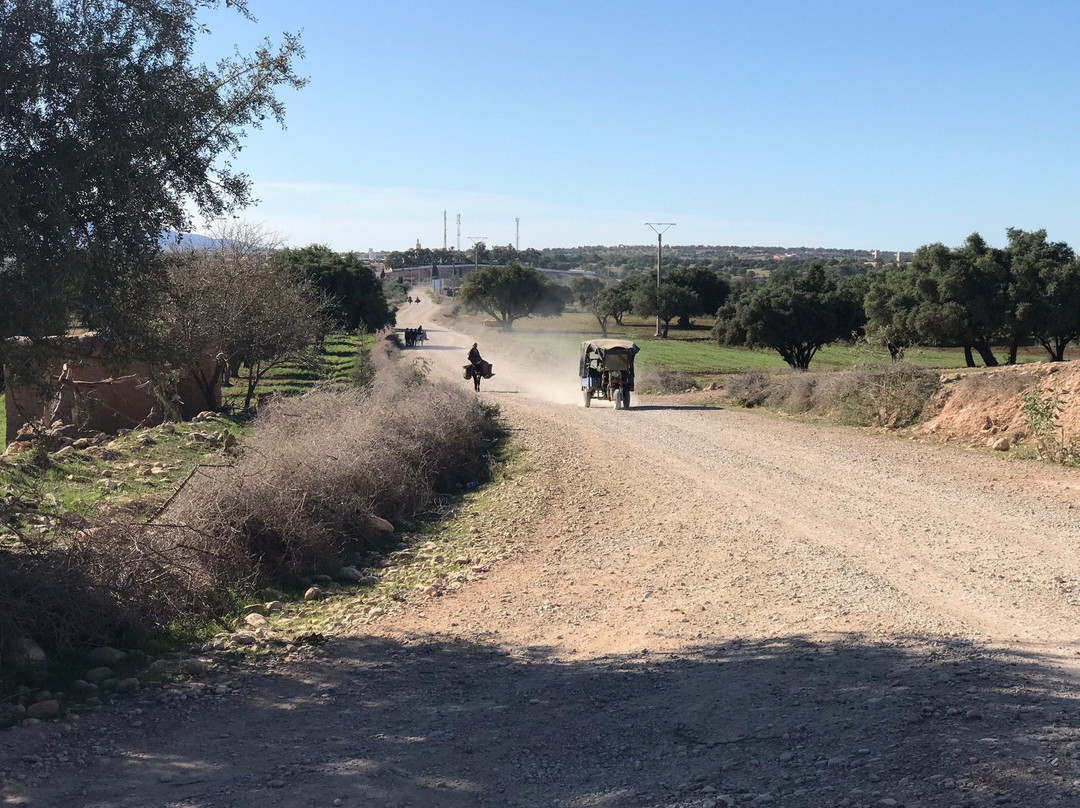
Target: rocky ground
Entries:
(669, 606)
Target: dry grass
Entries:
(299, 498)
(892, 397)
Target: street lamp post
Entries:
(659, 228)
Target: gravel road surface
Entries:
(695, 607)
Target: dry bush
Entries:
(893, 396)
(300, 496)
(664, 381)
(320, 466)
(749, 389)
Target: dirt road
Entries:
(696, 607)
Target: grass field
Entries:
(335, 363)
(693, 351)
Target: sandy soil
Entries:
(699, 607)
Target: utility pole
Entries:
(444, 231)
(476, 240)
(459, 232)
(517, 234)
(659, 228)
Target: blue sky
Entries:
(870, 125)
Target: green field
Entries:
(693, 351)
(334, 363)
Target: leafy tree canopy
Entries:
(356, 295)
(511, 292)
(110, 134)
(793, 314)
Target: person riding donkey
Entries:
(477, 363)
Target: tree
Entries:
(232, 302)
(891, 301)
(710, 289)
(794, 314)
(1043, 293)
(511, 292)
(111, 135)
(667, 303)
(963, 296)
(585, 288)
(356, 295)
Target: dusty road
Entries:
(696, 607)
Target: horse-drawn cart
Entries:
(607, 371)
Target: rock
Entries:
(28, 655)
(83, 687)
(44, 710)
(314, 593)
(380, 524)
(351, 574)
(17, 446)
(256, 620)
(98, 675)
(128, 685)
(255, 608)
(244, 638)
(158, 667)
(1001, 445)
(106, 656)
(81, 443)
(194, 666)
(271, 594)
(273, 607)
(228, 440)
(205, 415)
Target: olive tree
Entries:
(511, 292)
(111, 134)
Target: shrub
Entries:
(1042, 411)
(300, 496)
(893, 396)
(318, 467)
(664, 381)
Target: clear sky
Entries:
(862, 124)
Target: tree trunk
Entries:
(987, 354)
(1014, 346)
(968, 358)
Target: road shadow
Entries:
(664, 407)
(435, 721)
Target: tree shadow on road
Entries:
(442, 722)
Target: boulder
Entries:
(380, 524)
(105, 656)
(351, 574)
(44, 710)
(28, 655)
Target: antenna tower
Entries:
(444, 230)
(459, 232)
(517, 234)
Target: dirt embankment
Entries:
(980, 406)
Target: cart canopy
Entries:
(614, 354)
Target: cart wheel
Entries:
(588, 398)
(618, 399)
